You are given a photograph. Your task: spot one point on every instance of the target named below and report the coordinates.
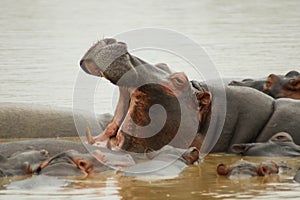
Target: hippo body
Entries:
(21, 120)
(53, 146)
(255, 117)
(276, 86)
(297, 176)
(73, 163)
(256, 84)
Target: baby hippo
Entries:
(246, 169)
(22, 163)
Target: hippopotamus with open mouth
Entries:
(140, 122)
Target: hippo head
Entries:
(244, 169)
(162, 108)
(287, 86)
(72, 163)
(280, 144)
(160, 114)
(256, 84)
(22, 163)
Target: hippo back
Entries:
(21, 120)
(285, 118)
(248, 110)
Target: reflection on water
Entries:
(196, 182)
(42, 42)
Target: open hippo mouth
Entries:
(156, 107)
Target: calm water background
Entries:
(41, 43)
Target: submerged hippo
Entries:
(280, 144)
(22, 163)
(277, 86)
(67, 158)
(139, 124)
(73, 163)
(23, 120)
(246, 169)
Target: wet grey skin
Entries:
(246, 169)
(168, 162)
(73, 163)
(22, 162)
(259, 84)
(52, 146)
(251, 116)
(256, 84)
(279, 145)
(24, 120)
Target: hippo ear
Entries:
(240, 148)
(164, 67)
(292, 74)
(263, 170)
(269, 82)
(179, 80)
(203, 98)
(223, 170)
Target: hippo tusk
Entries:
(89, 136)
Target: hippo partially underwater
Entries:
(139, 124)
(53, 157)
(24, 120)
(279, 145)
(245, 169)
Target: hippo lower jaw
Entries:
(130, 143)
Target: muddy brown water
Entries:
(195, 182)
(41, 43)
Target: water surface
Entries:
(41, 43)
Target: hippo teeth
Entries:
(89, 136)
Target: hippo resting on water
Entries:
(280, 144)
(24, 120)
(53, 157)
(139, 124)
(245, 169)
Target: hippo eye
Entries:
(178, 81)
(267, 84)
